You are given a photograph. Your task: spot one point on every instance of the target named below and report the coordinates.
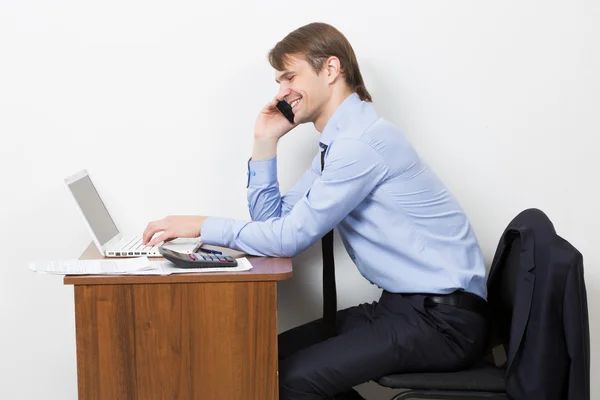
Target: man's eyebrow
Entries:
(284, 75)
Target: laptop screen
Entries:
(94, 209)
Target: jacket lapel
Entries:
(524, 296)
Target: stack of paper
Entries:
(125, 266)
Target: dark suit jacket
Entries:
(548, 353)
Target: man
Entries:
(400, 225)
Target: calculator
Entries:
(197, 260)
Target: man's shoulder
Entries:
(364, 119)
(383, 128)
(375, 131)
(364, 125)
(380, 137)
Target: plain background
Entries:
(158, 101)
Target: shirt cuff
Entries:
(212, 231)
(262, 172)
(222, 232)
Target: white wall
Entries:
(499, 97)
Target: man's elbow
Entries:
(289, 251)
(294, 247)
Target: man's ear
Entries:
(333, 68)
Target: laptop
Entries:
(105, 233)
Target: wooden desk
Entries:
(210, 336)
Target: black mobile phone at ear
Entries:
(286, 110)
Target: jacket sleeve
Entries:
(576, 326)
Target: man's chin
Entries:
(300, 119)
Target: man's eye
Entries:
(292, 78)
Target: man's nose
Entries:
(284, 91)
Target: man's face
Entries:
(305, 90)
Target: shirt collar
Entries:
(344, 110)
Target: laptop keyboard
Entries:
(136, 248)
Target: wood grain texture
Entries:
(263, 269)
(105, 342)
(162, 338)
(241, 356)
(209, 341)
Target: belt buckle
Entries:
(453, 299)
(445, 299)
(450, 299)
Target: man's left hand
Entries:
(184, 226)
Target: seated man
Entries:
(402, 228)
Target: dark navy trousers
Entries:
(398, 334)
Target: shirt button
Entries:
(353, 257)
(249, 205)
(253, 173)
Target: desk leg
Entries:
(209, 341)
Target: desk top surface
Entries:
(263, 269)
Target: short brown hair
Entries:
(317, 42)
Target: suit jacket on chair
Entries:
(547, 335)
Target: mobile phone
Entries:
(286, 110)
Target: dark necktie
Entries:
(329, 290)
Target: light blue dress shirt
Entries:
(402, 228)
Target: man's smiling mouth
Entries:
(295, 102)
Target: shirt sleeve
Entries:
(264, 198)
(352, 170)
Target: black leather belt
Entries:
(464, 300)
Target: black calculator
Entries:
(197, 260)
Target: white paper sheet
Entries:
(95, 267)
(125, 266)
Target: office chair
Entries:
(483, 380)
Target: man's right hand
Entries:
(271, 125)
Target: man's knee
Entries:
(295, 383)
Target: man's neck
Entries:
(329, 109)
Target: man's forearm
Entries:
(264, 199)
(264, 149)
